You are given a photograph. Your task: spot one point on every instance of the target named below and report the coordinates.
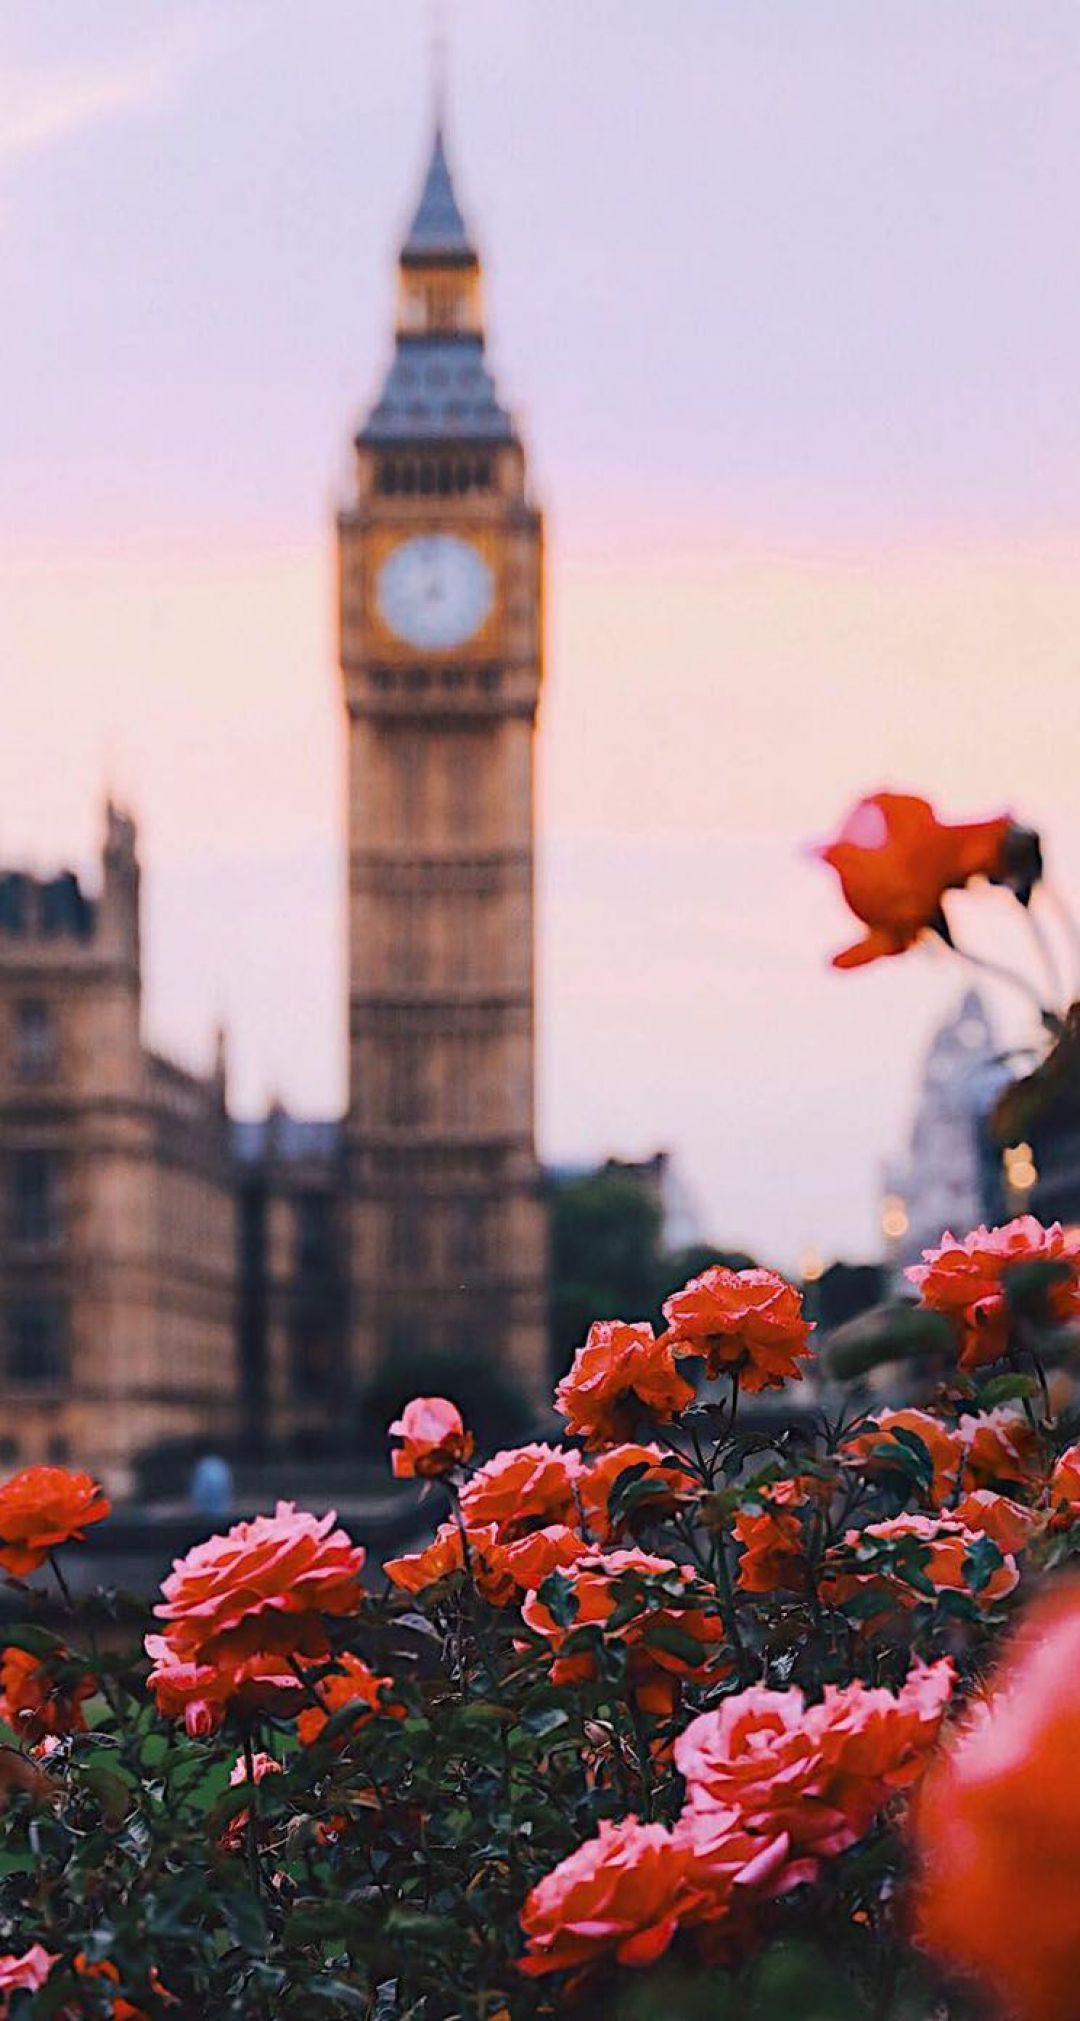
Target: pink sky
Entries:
(801, 381)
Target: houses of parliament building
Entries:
(171, 1276)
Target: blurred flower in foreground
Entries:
(997, 1829)
(896, 860)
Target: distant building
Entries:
(117, 1210)
(659, 1178)
(171, 1278)
(950, 1174)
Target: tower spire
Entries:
(439, 48)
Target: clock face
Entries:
(435, 591)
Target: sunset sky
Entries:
(785, 296)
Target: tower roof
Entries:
(438, 230)
(438, 387)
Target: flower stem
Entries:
(641, 1744)
(1010, 975)
(251, 1828)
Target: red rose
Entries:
(945, 1547)
(621, 1377)
(618, 1895)
(433, 1439)
(41, 1508)
(816, 1775)
(746, 1323)
(34, 1702)
(524, 1489)
(966, 1281)
(599, 1584)
(666, 1474)
(1065, 1490)
(444, 1558)
(351, 1683)
(896, 860)
(201, 1693)
(875, 1449)
(773, 1551)
(1008, 1524)
(265, 1585)
(997, 1829)
(1000, 1449)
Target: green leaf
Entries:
(540, 1720)
(913, 1456)
(675, 1641)
(981, 1560)
(557, 1594)
(1007, 1389)
(36, 1641)
(893, 1332)
(1027, 1285)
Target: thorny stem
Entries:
(251, 1828)
(723, 1574)
(95, 1652)
(641, 1745)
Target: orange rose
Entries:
(966, 1281)
(201, 1693)
(744, 1323)
(876, 1449)
(816, 1775)
(1008, 1524)
(42, 1508)
(667, 1476)
(34, 1702)
(896, 860)
(867, 1559)
(1000, 1449)
(730, 1869)
(120, 2008)
(433, 1439)
(352, 1683)
(619, 1895)
(997, 1829)
(773, 1551)
(599, 1584)
(524, 1489)
(1065, 1490)
(444, 1558)
(528, 1561)
(265, 1586)
(622, 1375)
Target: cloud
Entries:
(44, 106)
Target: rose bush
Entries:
(691, 1709)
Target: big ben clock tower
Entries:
(441, 656)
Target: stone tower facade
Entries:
(441, 588)
(117, 1215)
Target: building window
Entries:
(35, 1197)
(35, 1343)
(36, 1048)
(467, 1237)
(406, 1086)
